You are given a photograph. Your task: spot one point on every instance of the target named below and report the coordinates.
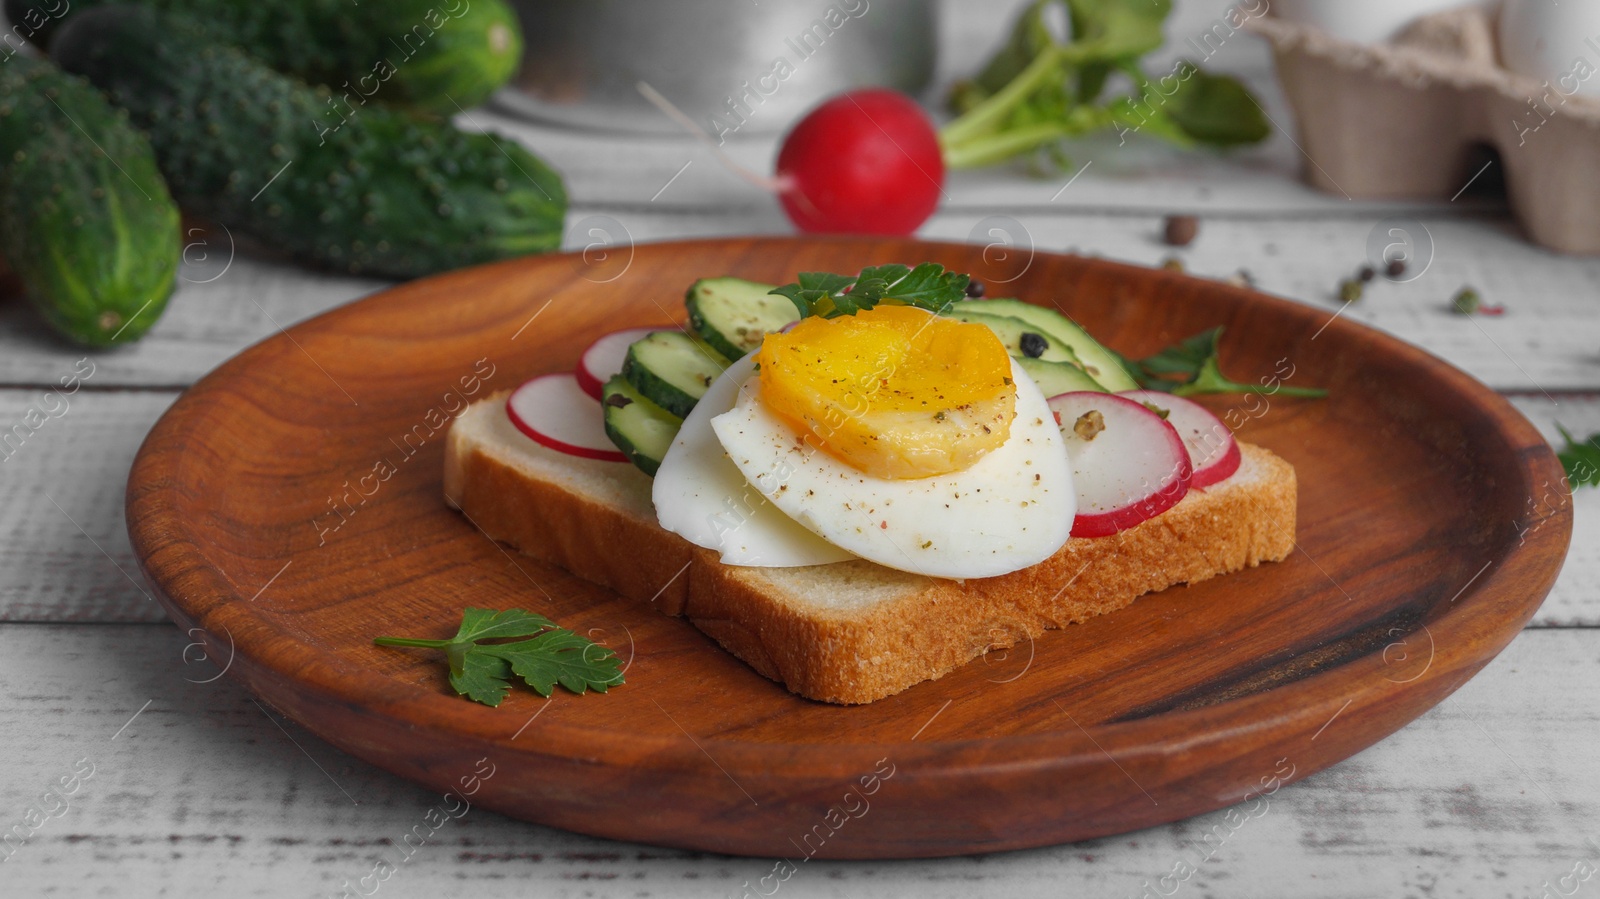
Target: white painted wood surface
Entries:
(1489, 794)
(1493, 793)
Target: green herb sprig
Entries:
(1581, 459)
(554, 655)
(928, 286)
(1039, 91)
(1190, 367)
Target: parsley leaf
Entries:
(482, 671)
(1190, 367)
(1581, 460)
(928, 286)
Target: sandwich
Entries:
(856, 484)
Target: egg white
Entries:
(1012, 509)
(701, 496)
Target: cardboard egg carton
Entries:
(1409, 119)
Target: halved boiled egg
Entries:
(1009, 506)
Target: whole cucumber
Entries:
(378, 192)
(85, 219)
(430, 56)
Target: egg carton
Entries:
(1410, 118)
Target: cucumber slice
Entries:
(672, 369)
(733, 314)
(641, 429)
(1011, 330)
(1056, 378)
(1101, 364)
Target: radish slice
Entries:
(604, 358)
(554, 411)
(1212, 450)
(1128, 464)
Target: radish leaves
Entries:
(1040, 90)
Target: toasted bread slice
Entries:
(849, 632)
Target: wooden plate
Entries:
(290, 505)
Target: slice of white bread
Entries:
(850, 632)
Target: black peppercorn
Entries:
(1181, 230)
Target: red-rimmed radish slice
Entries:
(604, 358)
(1128, 464)
(554, 411)
(1212, 450)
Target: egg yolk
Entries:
(894, 391)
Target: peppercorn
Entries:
(1034, 345)
(1181, 230)
(1172, 264)
(1395, 269)
(975, 289)
(1466, 301)
(1350, 290)
(1366, 274)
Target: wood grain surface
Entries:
(1416, 532)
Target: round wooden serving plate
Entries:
(290, 506)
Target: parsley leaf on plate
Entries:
(1190, 367)
(554, 655)
(1581, 459)
(927, 286)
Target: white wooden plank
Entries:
(64, 460)
(1545, 342)
(1575, 598)
(1491, 794)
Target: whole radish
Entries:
(863, 162)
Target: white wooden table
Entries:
(196, 790)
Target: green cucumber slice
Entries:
(641, 429)
(1056, 378)
(1101, 364)
(1011, 330)
(672, 369)
(733, 315)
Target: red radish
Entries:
(604, 357)
(864, 162)
(1212, 450)
(554, 411)
(1128, 464)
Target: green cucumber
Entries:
(85, 219)
(251, 149)
(1056, 378)
(641, 429)
(1102, 364)
(1011, 330)
(733, 315)
(431, 56)
(672, 369)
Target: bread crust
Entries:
(783, 623)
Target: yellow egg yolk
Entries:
(894, 391)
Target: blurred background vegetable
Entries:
(85, 219)
(1048, 83)
(435, 57)
(381, 193)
